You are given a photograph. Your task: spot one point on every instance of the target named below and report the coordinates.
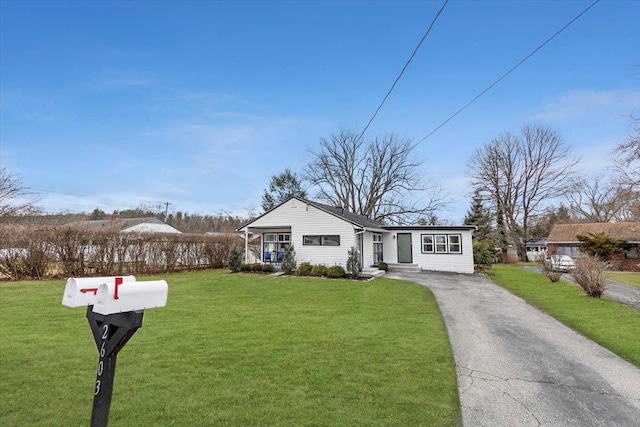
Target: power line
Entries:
(403, 69)
(507, 73)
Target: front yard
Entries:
(236, 350)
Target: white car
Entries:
(560, 263)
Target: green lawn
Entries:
(236, 350)
(626, 277)
(609, 323)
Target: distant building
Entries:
(536, 249)
(562, 240)
(128, 225)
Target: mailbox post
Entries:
(115, 307)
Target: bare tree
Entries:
(596, 200)
(378, 179)
(628, 173)
(14, 196)
(628, 154)
(521, 173)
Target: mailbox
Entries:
(130, 296)
(83, 291)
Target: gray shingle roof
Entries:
(351, 217)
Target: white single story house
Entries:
(322, 234)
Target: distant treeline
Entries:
(183, 221)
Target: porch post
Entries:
(246, 245)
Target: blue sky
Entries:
(114, 104)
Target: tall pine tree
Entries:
(479, 216)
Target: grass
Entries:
(236, 350)
(608, 323)
(626, 277)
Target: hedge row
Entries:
(36, 253)
(319, 270)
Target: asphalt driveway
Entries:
(517, 366)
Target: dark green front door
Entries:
(404, 248)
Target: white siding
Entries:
(390, 248)
(451, 262)
(305, 220)
(367, 249)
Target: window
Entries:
(454, 244)
(632, 253)
(427, 243)
(377, 248)
(276, 242)
(328, 240)
(441, 243)
(331, 240)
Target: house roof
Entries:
(354, 218)
(116, 224)
(361, 220)
(566, 233)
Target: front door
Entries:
(405, 255)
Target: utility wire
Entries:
(403, 70)
(507, 73)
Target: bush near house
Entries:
(354, 267)
(336, 272)
(304, 269)
(289, 260)
(319, 270)
(381, 266)
(235, 260)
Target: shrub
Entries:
(336, 272)
(256, 267)
(484, 252)
(304, 269)
(383, 266)
(268, 268)
(354, 267)
(289, 260)
(319, 270)
(589, 275)
(547, 268)
(235, 259)
(245, 268)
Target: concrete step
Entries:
(408, 268)
(372, 272)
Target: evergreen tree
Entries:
(281, 187)
(502, 241)
(479, 216)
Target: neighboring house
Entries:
(536, 250)
(563, 241)
(128, 225)
(323, 234)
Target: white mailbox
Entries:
(130, 296)
(83, 291)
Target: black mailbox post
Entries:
(110, 332)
